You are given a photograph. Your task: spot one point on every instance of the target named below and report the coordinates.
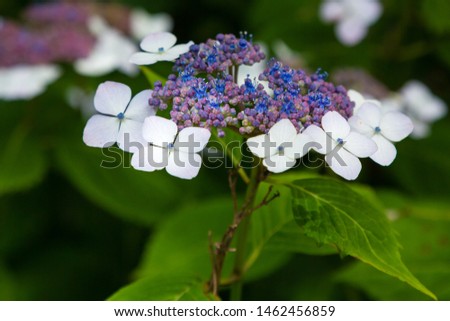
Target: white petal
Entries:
(396, 126)
(357, 98)
(278, 163)
(283, 132)
(331, 11)
(261, 146)
(300, 147)
(335, 125)
(101, 131)
(386, 152)
(150, 158)
(143, 58)
(112, 98)
(358, 125)
(130, 137)
(180, 49)
(433, 110)
(360, 145)
(370, 114)
(184, 165)
(192, 139)
(350, 31)
(319, 139)
(139, 109)
(159, 131)
(344, 163)
(157, 40)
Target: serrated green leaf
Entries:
(167, 288)
(22, 162)
(332, 213)
(427, 256)
(273, 228)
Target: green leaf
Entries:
(273, 228)
(427, 256)
(435, 14)
(152, 76)
(22, 162)
(168, 288)
(332, 213)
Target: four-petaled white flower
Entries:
(26, 81)
(353, 17)
(178, 154)
(111, 51)
(382, 128)
(340, 145)
(159, 46)
(120, 120)
(280, 147)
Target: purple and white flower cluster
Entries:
(281, 122)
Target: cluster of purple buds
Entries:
(217, 101)
(45, 13)
(220, 54)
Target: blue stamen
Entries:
(340, 141)
(160, 49)
(377, 129)
(121, 116)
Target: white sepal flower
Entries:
(26, 81)
(111, 52)
(119, 119)
(353, 17)
(340, 145)
(142, 23)
(383, 128)
(159, 46)
(178, 154)
(280, 147)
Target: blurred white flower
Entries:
(352, 17)
(78, 98)
(422, 106)
(166, 148)
(111, 51)
(382, 128)
(280, 147)
(119, 119)
(340, 145)
(143, 23)
(26, 81)
(159, 46)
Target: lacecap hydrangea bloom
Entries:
(280, 121)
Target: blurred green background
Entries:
(70, 230)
